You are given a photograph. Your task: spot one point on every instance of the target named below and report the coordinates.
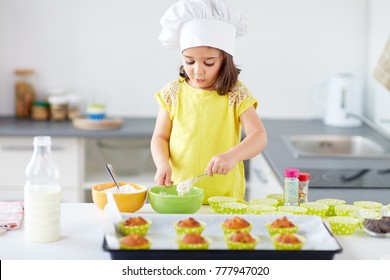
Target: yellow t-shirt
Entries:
(205, 124)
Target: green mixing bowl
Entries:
(165, 200)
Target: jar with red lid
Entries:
(303, 189)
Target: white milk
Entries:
(42, 219)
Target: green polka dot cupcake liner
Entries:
(185, 230)
(233, 208)
(240, 245)
(202, 246)
(315, 208)
(297, 210)
(278, 196)
(288, 246)
(228, 231)
(342, 225)
(331, 202)
(346, 210)
(368, 204)
(260, 209)
(143, 247)
(264, 201)
(142, 229)
(275, 230)
(215, 202)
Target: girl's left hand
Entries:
(220, 164)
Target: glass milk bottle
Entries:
(42, 194)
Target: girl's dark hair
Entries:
(227, 76)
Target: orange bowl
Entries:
(126, 202)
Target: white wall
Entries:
(108, 50)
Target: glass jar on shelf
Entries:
(40, 110)
(24, 92)
(58, 104)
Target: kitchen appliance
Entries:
(342, 96)
(364, 178)
(354, 184)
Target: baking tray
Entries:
(320, 243)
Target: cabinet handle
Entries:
(260, 175)
(28, 148)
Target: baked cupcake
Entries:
(189, 225)
(241, 241)
(135, 241)
(193, 241)
(135, 225)
(236, 224)
(286, 241)
(282, 225)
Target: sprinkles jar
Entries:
(291, 185)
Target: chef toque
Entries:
(194, 23)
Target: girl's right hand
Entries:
(163, 177)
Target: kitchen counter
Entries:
(132, 127)
(279, 157)
(82, 238)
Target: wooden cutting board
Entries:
(89, 124)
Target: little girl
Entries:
(198, 127)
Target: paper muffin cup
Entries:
(315, 208)
(297, 210)
(343, 225)
(215, 201)
(233, 208)
(368, 204)
(275, 230)
(260, 209)
(288, 246)
(142, 229)
(346, 210)
(127, 247)
(264, 201)
(227, 231)
(278, 196)
(331, 202)
(240, 245)
(203, 246)
(185, 230)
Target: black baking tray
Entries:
(219, 254)
(224, 254)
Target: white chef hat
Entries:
(193, 23)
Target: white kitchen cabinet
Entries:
(130, 157)
(15, 153)
(262, 179)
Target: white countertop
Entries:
(82, 239)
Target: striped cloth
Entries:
(11, 215)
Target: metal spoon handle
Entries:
(111, 172)
(198, 177)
